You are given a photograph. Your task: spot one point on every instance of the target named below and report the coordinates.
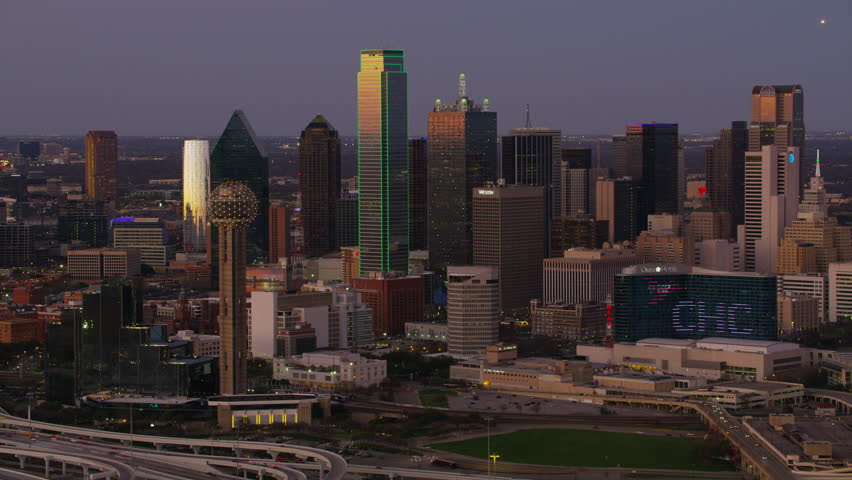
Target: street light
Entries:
(488, 445)
(494, 458)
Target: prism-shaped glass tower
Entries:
(237, 156)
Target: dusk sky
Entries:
(179, 67)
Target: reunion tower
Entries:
(232, 208)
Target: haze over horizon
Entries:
(181, 68)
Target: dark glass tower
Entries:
(725, 171)
(417, 187)
(462, 156)
(319, 184)
(237, 156)
(84, 221)
(383, 161)
(654, 161)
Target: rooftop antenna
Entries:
(462, 86)
(528, 124)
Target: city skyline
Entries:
(598, 68)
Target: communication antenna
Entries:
(528, 124)
(462, 86)
(817, 173)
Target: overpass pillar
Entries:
(196, 450)
(158, 446)
(64, 469)
(23, 460)
(46, 467)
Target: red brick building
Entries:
(19, 330)
(394, 300)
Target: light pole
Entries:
(488, 445)
(494, 458)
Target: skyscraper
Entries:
(196, 188)
(725, 171)
(237, 156)
(383, 161)
(102, 165)
(83, 220)
(319, 185)
(618, 202)
(417, 193)
(233, 206)
(654, 160)
(462, 156)
(533, 156)
(777, 118)
(473, 313)
(507, 225)
(771, 201)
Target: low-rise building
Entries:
(98, 263)
(19, 330)
(435, 332)
(579, 322)
(712, 358)
(202, 345)
(330, 370)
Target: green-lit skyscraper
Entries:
(383, 161)
(237, 156)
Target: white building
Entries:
(584, 274)
(810, 285)
(839, 291)
(196, 188)
(473, 309)
(665, 222)
(330, 370)
(771, 203)
(436, 332)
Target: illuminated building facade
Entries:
(777, 118)
(196, 188)
(319, 186)
(462, 156)
(102, 165)
(233, 206)
(383, 161)
(279, 231)
(675, 301)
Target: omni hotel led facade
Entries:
(676, 301)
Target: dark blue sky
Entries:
(178, 67)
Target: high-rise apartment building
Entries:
(238, 157)
(584, 275)
(233, 206)
(840, 292)
(507, 225)
(279, 231)
(533, 156)
(771, 202)
(473, 309)
(383, 161)
(319, 186)
(102, 165)
(196, 188)
(618, 202)
(675, 301)
(777, 118)
(574, 177)
(725, 171)
(418, 226)
(462, 156)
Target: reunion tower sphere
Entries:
(232, 204)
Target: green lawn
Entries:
(434, 397)
(589, 448)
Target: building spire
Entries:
(528, 124)
(462, 86)
(818, 173)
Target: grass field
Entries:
(434, 397)
(589, 448)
